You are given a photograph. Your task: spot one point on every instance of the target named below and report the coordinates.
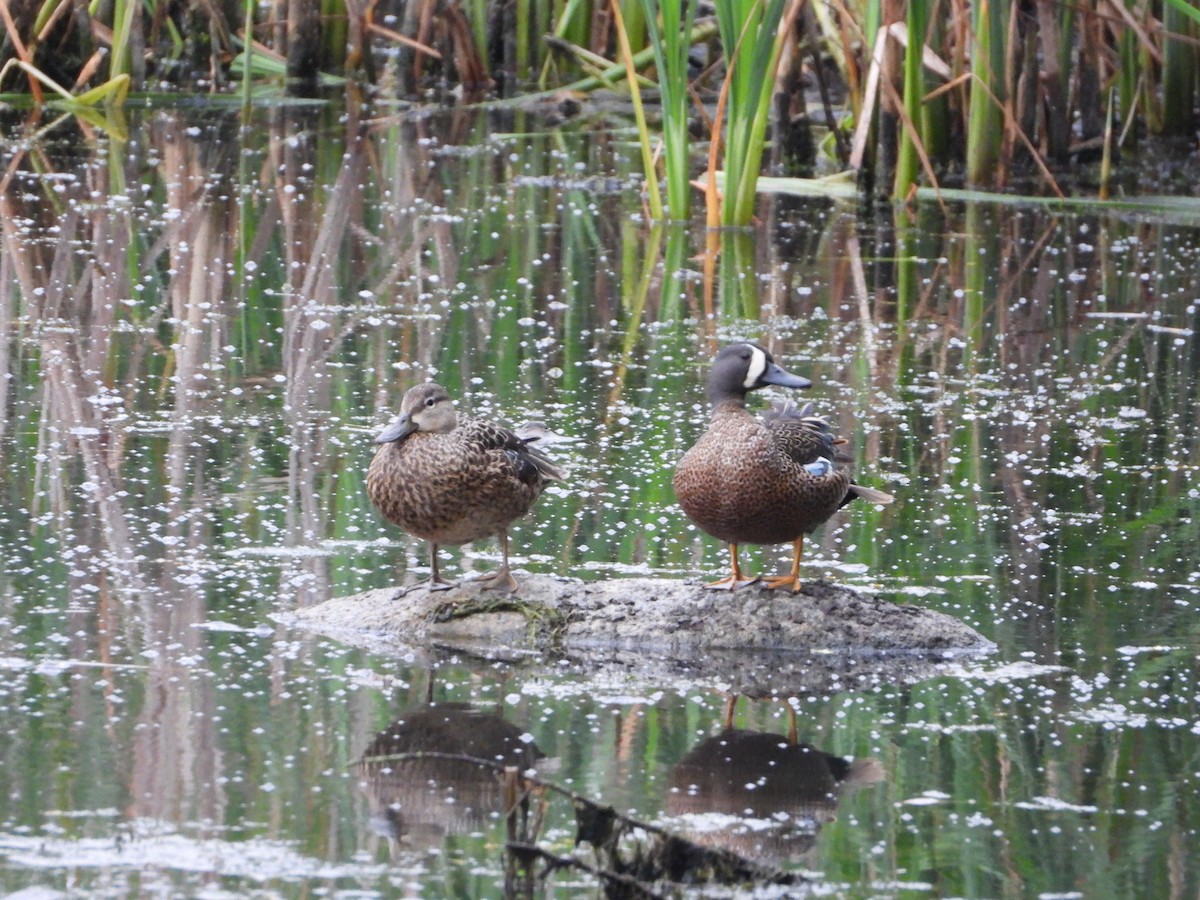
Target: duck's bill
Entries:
(401, 428)
(782, 378)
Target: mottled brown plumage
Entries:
(452, 481)
(761, 481)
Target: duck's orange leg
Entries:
(735, 579)
(791, 581)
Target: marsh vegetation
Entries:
(989, 94)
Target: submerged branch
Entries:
(667, 857)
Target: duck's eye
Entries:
(431, 402)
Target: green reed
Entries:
(985, 118)
(908, 162)
(670, 41)
(752, 39)
(936, 116)
(1179, 68)
(653, 195)
(1128, 78)
(120, 62)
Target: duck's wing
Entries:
(529, 462)
(532, 432)
(804, 436)
(808, 439)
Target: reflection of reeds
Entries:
(72, 356)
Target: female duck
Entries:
(761, 481)
(453, 481)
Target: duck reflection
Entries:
(420, 800)
(760, 795)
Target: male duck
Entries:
(451, 480)
(761, 481)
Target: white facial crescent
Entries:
(758, 365)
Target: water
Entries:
(203, 327)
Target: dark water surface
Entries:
(202, 327)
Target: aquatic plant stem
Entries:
(1178, 69)
(247, 42)
(755, 29)
(670, 45)
(123, 14)
(984, 118)
(907, 162)
(654, 197)
(1106, 158)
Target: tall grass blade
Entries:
(523, 17)
(908, 161)
(113, 91)
(1183, 8)
(984, 117)
(1128, 77)
(670, 43)
(753, 39)
(263, 64)
(701, 31)
(1178, 69)
(1106, 159)
(248, 41)
(654, 197)
(123, 14)
(335, 19)
(571, 27)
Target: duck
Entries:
(451, 479)
(762, 480)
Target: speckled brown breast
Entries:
(450, 488)
(740, 486)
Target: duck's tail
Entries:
(862, 492)
(536, 432)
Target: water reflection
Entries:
(435, 790)
(761, 795)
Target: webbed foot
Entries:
(731, 583)
(501, 579)
(789, 582)
(432, 584)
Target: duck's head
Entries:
(426, 407)
(744, 367)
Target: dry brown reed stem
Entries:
(1033, 151)
(59, 11)
(1126, 16)
(21, 50)
(399, 38)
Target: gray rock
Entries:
(752, 640)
